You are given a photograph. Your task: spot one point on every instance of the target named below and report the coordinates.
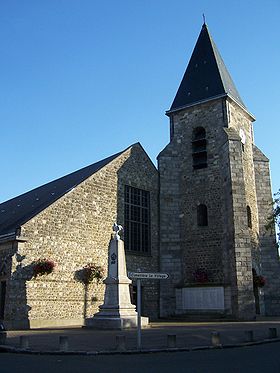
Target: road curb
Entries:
(11, 349)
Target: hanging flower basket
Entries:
(89, 273)
(43, 267)
(200, 276)
(259, 281)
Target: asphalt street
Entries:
(256, 359)
(187, 335)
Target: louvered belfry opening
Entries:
(199, 148)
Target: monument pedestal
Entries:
(117, 311)
(117, 323)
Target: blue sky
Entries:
(83, 79)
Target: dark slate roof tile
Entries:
(206, 76)
(19, 210)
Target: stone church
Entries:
(200, 216)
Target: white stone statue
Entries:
(117, 228)
(117, 311)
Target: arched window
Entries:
(249, 217)
(199, 151)
(202, 216)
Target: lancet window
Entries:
(137, 220)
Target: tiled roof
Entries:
(206, 76)
(19, 210)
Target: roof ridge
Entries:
(62, 177)
(18, 210)
(206, 75)
(224, 73)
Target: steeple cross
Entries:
(204, 19)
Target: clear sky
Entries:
(84, 79)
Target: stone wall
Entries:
(240, 269)
(268, 249)
(74, 231)
(246, 243)
(7, 252)
(139, 172)
(185, 246)
(225, 247)
(240, 121)
(169, 167)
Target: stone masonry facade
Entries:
(75, 231)
(269, 257)
(227, 249)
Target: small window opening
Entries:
(202, 216)
(249, 217)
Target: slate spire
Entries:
(206, 76)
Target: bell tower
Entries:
(209, 216)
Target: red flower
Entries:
(42, 267)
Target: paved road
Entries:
(188, 335)
(256, 359)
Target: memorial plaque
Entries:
(203, 298)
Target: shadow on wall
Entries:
(4, 275)
(86, 276)
(17, 309)
(79, 276)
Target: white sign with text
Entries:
(148, 276)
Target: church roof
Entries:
(206, 76)
(258, 155)
(18, 210)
